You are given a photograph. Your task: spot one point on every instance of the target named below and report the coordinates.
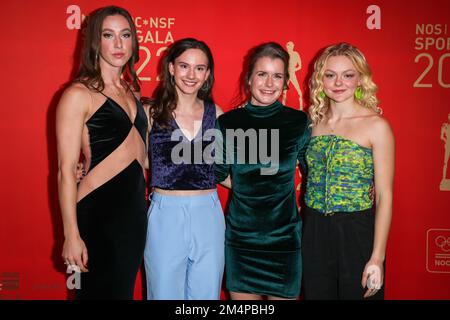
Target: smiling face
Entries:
(267, 80)
(190, 71)
(116, 41)
(340, 79)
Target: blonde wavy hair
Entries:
(320, 104)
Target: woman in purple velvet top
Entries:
(184, 254)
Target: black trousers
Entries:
(335, 250)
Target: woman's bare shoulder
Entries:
(379, 128)
(77, 90)
(76, 96)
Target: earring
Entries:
(205, 86)
(172, 79)
(96, 60)
(322, 94)
(358, 93)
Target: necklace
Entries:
(118, 92)
(330, 126)
(122, 97)
(333, 127)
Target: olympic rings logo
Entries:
(443, 243)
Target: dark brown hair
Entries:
(165, 97)
(89, 72)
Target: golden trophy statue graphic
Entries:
(295, 64)
(445, 136)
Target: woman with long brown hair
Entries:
(184, 255)
(99, 114)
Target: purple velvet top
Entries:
(177, 163)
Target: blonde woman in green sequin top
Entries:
(348, 196)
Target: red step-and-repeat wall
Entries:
(407, 44)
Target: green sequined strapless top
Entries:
(340, 175)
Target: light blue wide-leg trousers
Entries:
(184, 252)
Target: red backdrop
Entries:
(406, 42)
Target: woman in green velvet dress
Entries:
(262, 144)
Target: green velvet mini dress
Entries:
(263, 230)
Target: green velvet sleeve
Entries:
(303, 145)
(221, 168)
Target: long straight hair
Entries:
(89, 72)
